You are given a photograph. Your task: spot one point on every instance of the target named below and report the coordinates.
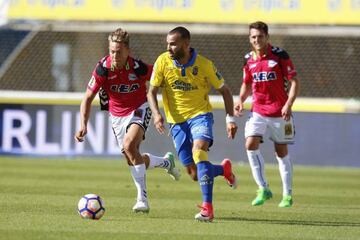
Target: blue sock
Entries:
(205, 173)
(218, 170)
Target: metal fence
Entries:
(328, 66)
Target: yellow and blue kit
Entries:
(185, 90)
(185, 87)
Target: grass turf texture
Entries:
(38, 200)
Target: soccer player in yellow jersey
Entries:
(186, 79)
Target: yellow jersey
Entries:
(185, 88)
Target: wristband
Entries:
(230, 119)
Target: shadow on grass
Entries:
(293, 222)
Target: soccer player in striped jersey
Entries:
(121, 81)
(270, 76)
(186, 78)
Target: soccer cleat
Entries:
(206, 213)
(172, 171)
(228, 174)
(263, 194)
(286, 201)
(141, 207)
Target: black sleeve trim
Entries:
(104, 100)
(140, 68)
(281, 53)
(101, 70)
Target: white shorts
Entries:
(280, 131)
(120, 125)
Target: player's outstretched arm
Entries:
(153, 103)
(85, 108)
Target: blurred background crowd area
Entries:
(43, 51)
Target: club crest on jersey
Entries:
(195, 70)
(264, 76)
(132, 77)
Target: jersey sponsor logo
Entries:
(91, 82)
(264, 76)
(124, 88)
(178, 84)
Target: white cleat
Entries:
(172, 171)
(203, 218)
(141, 207)
(206, 214)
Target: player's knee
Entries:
(129, 146)
(251, 147)
(129, 162)
(281, 150)
(281, 154)
(252, 143)
(146, 159)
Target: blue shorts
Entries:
(183, 134)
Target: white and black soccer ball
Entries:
(91, 206)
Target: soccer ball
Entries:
(91, 206)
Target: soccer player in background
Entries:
(268, 71)
(186, 78)
(121, 80)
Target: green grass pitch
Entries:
(38, 200)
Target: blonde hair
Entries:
(120, 36)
